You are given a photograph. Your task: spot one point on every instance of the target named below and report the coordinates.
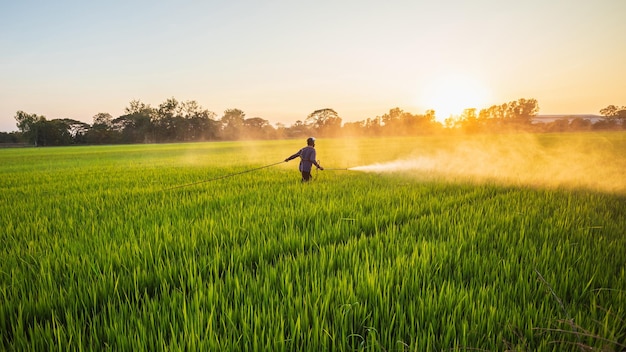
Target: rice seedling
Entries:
(99, 251)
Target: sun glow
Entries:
(451, 94)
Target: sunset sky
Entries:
(281, 60)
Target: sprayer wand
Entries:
(333, 169)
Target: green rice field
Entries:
(448, 243)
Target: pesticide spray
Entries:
(419, 163)
(522, 160)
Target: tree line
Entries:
(187, 121)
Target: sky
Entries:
(283, 59)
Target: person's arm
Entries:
(294, 156)
(314, 155)
(317, 165)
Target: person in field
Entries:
(307, 159)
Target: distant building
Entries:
(552, 118)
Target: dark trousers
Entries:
(306, 176)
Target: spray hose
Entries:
(221, 177)
(235, 174)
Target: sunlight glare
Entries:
(451, 94)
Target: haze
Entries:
(574, 161)
(281, 60)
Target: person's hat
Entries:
(310, 141)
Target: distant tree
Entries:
(256, 123)
(373, 126)
(580, 124)
(431, 116)
(560, 125)
(393, 122)
(452, 122)
(617, 113)
(10, 137)
(354, 129)
(298, 129)
(30, 125)
(257, 128)
(136, 107)
(57, 132)
(523, 110)
(607, 124)
(78, 130)
(416, 124)
(168, 124)
(25, 123)
(611, 111)
(512, 115)
(103, 119)
(201, 123)
(280, 131)
(469, 121)
(136, 126)
(144, 119)
(42, 132)
(101, 131)
(495, 112)
(393, 116)
(172, 121)
(324, 122)
(233, 122)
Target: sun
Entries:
(450, 94)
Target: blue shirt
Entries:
(307, 158)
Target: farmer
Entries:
(307, 159)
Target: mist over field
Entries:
(533, 160)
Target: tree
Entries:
(393, 116)
(514, 114)
(136, 126)
(373, 126)
(201, 124)
(42, 132)
(56, 132)
(29, 125)
(611, 111)
(168, 123)
(101, 130)
(580, 124)
(431, 117)
(523, 110)
(233, 121)
(26, 123)
(257, 128)
(138, 107)
(560, 125)
(470, 121)
(354, 129)
(78, 130)
(298, 129)
(414, 124)
(325, 122)
(393, 122)
(616, 113)
(10, 137)
(171, 121)
(103, 119)
(606, 124)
